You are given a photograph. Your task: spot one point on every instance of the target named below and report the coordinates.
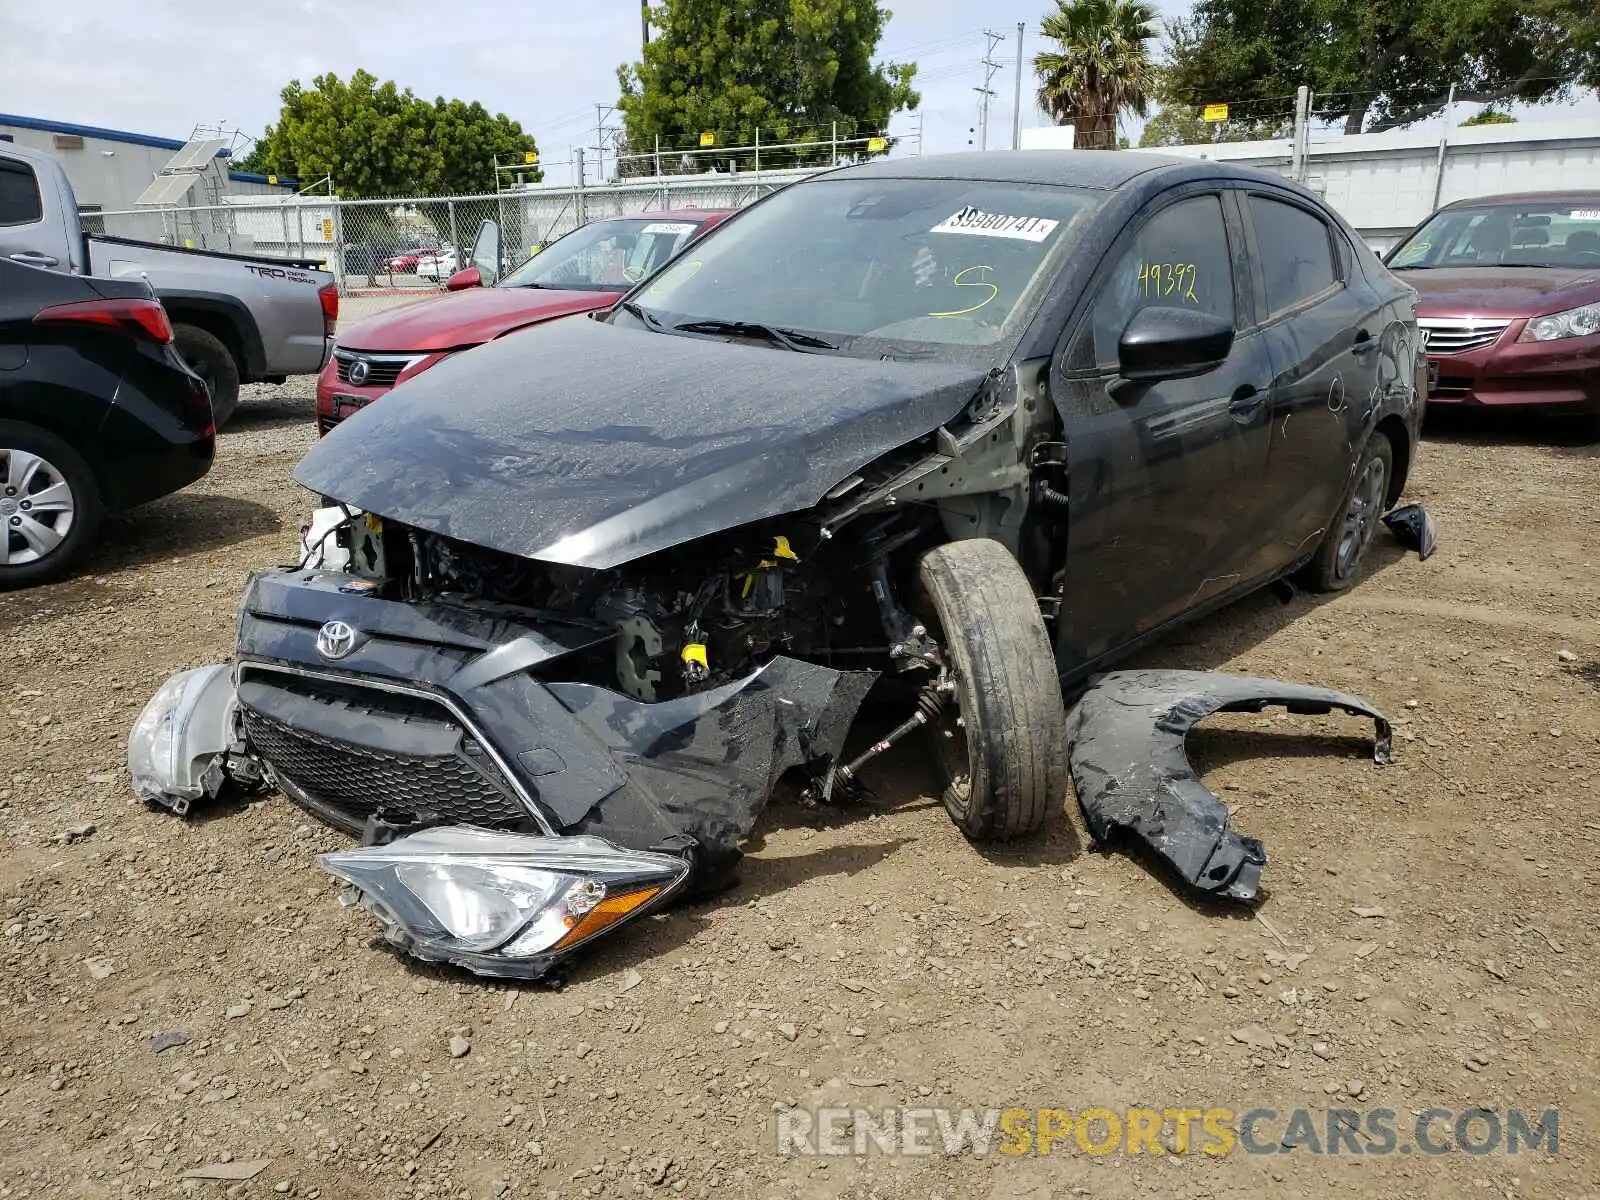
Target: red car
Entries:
(1509, 291)
(407, 261)
(585, 270)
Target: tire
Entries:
(33, 460)
(1356, 522)
(213, 362)
(1005, 765)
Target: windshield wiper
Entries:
(634, 309)
(789, 339)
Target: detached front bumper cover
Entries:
(502, 904)
(1126, 747)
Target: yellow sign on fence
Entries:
(708, 139)
(877, 144)
(327, 229)
(530, 156)
(1216, 112)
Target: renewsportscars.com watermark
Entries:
(1015, 1132)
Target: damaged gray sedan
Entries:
(950, 430)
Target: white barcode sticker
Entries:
(976, 222)
(670, 228)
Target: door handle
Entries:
(1246, 402)
(1365, 343)
(35, 259)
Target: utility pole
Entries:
(601, 112)
(644, 17)
(919, 134)
(985, 92)
(1016, 114)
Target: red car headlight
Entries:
(1583, 321)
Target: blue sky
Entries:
(163, 66)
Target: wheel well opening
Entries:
(1394, 429)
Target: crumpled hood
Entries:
(1499, 291)
(466, 318)
(586, 444)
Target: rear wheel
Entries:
(213, 362)
(1002, 750)
(49, 505)
(1355, 527)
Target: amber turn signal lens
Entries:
(606, 914)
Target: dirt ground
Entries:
(1427, 936)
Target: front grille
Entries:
(354, 780)
(1457, 335)
(382, 370)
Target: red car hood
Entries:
(467, 318)
(1499, 291)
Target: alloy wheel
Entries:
(37, 507)
(1361, 517)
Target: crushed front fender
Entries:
(1126, 744)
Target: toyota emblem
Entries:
(335, 640)
(359, 370)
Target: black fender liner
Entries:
(228, 318)
(1125, 741)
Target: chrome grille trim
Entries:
(382, 369)
(1458, 335)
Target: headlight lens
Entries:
(502, 904)
(165, 761)
(1575, 322)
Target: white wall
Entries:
(1384, 183)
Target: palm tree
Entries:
(1102, 66)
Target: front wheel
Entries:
(1337, 564)
(1003, 749)
(49, 505)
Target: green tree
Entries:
(790, 68)
(1101, 66)
(1490, 116)
(1180, 124)
(377, 140)
(1380, 64)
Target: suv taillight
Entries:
(142, 319)
(328, 294)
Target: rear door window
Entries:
(20, 201)
(1180, 259)
(1296, 253)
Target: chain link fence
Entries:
(415, 243)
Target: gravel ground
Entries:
(1424, 939)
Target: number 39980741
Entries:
(1159, 280)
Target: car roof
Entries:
(673, 214)
(1105, 169)
(1570, 197)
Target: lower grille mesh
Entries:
(355, 780)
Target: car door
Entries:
(26, 235)
(1323, 325)
(1162, 479)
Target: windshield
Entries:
(604, 255)
(950, 269)
(1534, 234)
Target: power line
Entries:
(986, 92)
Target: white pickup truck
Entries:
(236, 318)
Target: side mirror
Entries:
(467, 277)
(1172, 343)
(485, 254)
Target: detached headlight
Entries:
(502, 904)
(177, 750)
(1575, 322)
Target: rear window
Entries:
(1296, 253)
(1537, 234)
(20, 202)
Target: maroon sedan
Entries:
(585, 270)
(1510, 300)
